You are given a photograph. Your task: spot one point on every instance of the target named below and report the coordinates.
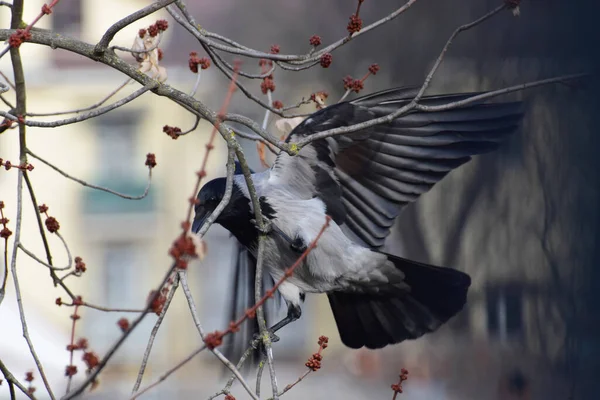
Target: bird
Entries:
(362, 181)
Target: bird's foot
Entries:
(258, 340)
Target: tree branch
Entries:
(40, 261)
(12, 382)
(82, 117)
(92, 376)
(101, 188)
(116, 27)
(153, 333)
(93, 106)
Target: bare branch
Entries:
(413, 106)
(88, 115)
(169, 372)
(40, 261)
(92, 376)
(107, 309)
(116, 27)
(12, 382)
(144, 51)
(13, 270)
(20, 109)
(259, 373)
(447, 46)
(226, 197)
(297, 381)
(250, 123)
(42, 232)
(153, 333)
(101, 188)
(262, 75)
(7, 79)
(96, 105)
(216, 352)
(235, 48)
(197, 83)
(499, 92)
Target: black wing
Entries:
(366, 178)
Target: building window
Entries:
(116, 145)
(118, 166)
(119, 264)
(505, 312)
(67, 18)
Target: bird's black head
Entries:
(208, 198)
(236, 214)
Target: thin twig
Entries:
(7, 79)
(499, 92)
(216, 352)
(346, 93)
(21, 108)
(79, 110)
(153, 333)
(92, 376)
(239, 365)
(226, 197)
(197, 83)
(87, 115)
(219, 64)
(13, 270)
(12, 382)
(5, 277)
(108, 36)
(71, 347)
(144, 51)
(259, 373)
(442, 54)
(101, 188)
(412, 106)
(169, 372)
(204, 37)
(40, 261)
(41, 230)
(107, 309)
(17, 13)
(250, 123)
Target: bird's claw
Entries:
(258, 341)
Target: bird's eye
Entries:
(213, 199)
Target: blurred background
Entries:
(523, 221)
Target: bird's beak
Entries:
(199, 219)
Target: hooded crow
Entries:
(362, 180)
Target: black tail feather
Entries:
(236, 345)
(376, 320)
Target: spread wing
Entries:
(365, 178)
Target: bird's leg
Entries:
(296, 244)
(293, 314)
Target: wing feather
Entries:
(365, 178)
